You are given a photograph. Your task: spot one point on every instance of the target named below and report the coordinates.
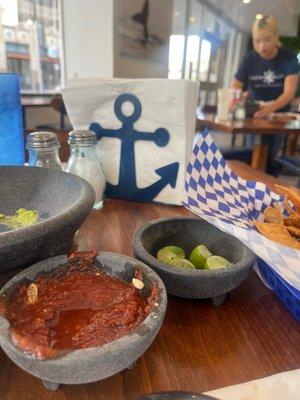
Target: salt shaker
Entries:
(85, 163)
(43, 150)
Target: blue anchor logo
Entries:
(126, 187)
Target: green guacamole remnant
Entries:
(21, 219)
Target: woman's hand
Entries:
(289, 90)
(264, 111)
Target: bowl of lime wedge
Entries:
(193, 258)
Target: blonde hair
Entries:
(269, 23)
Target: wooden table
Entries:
(199, 347)
(261, 128)
(36, 101)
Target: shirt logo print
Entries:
(269, 76)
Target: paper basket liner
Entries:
(215, 193)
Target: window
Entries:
(30, 38)
(22, 68)
(204, 60)
(203, 47)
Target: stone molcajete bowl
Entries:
(62, 201)
(95, 363)
(187, 233)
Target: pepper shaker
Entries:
(43, 150)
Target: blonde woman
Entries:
(269, 72)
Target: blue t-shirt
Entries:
(265, 78)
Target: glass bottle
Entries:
(239, 112)
(85, 163)
(43, 150)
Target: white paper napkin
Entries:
(282, 386)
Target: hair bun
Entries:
(266, 22)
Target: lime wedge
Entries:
(181, 263)
(216, 262)
(178, 251)
(165, 255)
(199, 256)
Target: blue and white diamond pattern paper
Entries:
(217, 194)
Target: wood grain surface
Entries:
(199, 347)
(249, 125)
(261, 128)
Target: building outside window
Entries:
(30, 37)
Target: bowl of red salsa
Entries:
(80, 319)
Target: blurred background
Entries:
(48, 42)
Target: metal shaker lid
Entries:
(42, 139)
(82, 137)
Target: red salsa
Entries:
(76, 307)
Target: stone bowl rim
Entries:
(17, 234)
(92, 352)
(139, 250)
